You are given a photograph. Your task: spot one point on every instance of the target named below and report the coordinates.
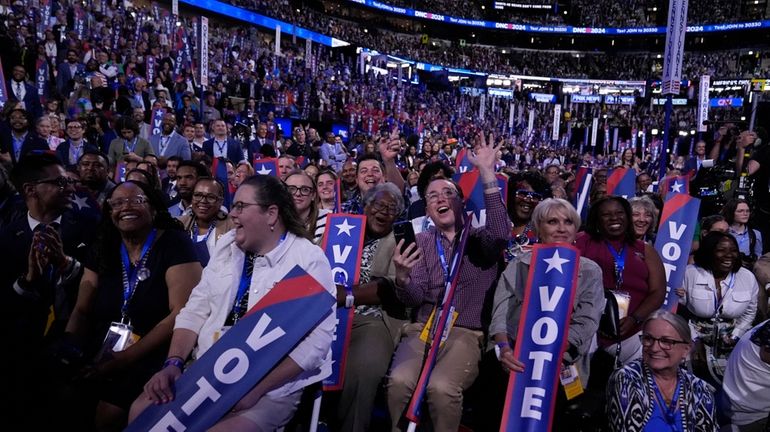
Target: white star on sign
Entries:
(264, 171)
(555, 262)
(344, 227)
(676, 187)
(81, 202)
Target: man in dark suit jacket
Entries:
(32, 283)
(75, 146)
(66, 72)
(19, 141)
(21, 91)
(256, 145)
(221, 145)
(693, 164)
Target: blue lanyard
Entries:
(131, 273)
(221, 148)
(245, 284)
(442, 256)
(194, 236)
(718, 302)
(620, 263)
(131, 148)
(669, 411)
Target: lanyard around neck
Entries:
(134, 274)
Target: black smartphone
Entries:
(405, 231)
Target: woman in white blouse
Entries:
(719, 295)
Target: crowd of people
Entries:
(136, 228)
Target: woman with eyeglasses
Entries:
(525, 191)
(139, 277)
(720, 300)
(209, 222)
(267, 243)
(327, 189)
(737, 213)
(303, 191)
(554, 221)
(631, 270)
(378, 316)
(243, 171)
(656, 393)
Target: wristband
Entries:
(349, 299)
(499, 348)
(174, 361)
(490, 185)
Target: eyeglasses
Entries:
(121, 203)
(208, 198)
(60, 182)
(528, 195)
(238, 206)
(445, 193)
(387, 210)
(664, 342)
(303, 190)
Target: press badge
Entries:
(221, 332)
(570, 380)
(427, 330)
(119, 337)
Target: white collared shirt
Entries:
(33, 223)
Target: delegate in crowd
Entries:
(167, 238)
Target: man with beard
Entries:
(168, 184)
(187, 174)
(75, 145)
(348, 182)
(92, 169)
(169, 143)
(41, 255)
(21, 141)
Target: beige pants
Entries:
(457, 366)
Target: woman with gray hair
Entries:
(655, 392)
(644, 218)
(379, 315)
(555, 221)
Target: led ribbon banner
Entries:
(621, 182)
(267, 166)
(343, 243)
(444, 314)
(473, 190)
(242, 357)
(674, 241)
(542, 338)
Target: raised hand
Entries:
(405, 262)
(484, 155)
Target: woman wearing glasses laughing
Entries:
(655, 393)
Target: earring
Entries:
(272, 228)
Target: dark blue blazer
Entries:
(31, 99)
(234, 150)
(63, 151)
(32, 142)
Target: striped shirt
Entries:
(478, 273)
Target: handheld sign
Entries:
(242, 357)
(675, 184)
(674, 241)
(621, 182)
(267, 166)
(542, 338)
(463, 164)
(343, 244)
(473, 191)
(444, 315)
